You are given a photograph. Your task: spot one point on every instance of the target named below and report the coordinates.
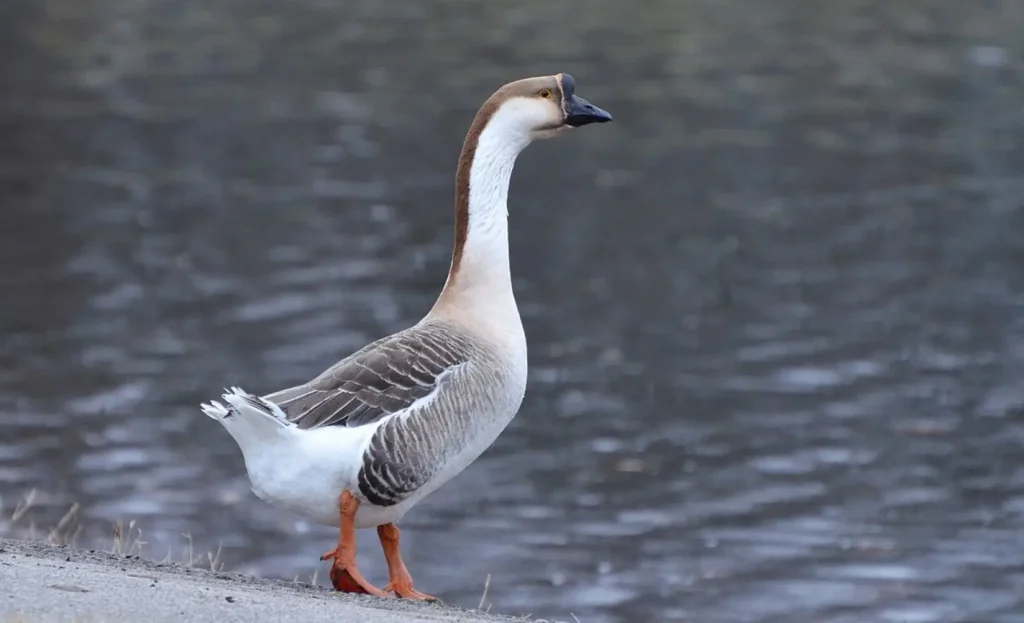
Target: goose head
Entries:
(514, 116)
(540, 107)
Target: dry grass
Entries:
(483, 598)
(312, 578)
(127, 541)
(526, 617)
(64, 532)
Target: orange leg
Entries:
(401, 581)
(344, 575)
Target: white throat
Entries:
(483, 273)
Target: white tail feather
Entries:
(246, 415)
(215, 410)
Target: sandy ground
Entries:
(39, 582)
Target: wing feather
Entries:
(383, 378)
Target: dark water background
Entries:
(775, 310)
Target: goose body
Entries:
(371, 436)
(395, 420)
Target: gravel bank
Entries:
(40, 582)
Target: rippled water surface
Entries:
(775, 310)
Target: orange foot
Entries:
(401, 582)
(408, 592)
(345, 577)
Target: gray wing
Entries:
(376, 381)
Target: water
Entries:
(774, 309)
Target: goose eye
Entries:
(545, 93)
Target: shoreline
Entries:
(41, 582)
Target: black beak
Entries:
(581, 112)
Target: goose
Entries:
(363, 442)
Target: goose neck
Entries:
(480, 260)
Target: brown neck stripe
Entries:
(462, 180)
